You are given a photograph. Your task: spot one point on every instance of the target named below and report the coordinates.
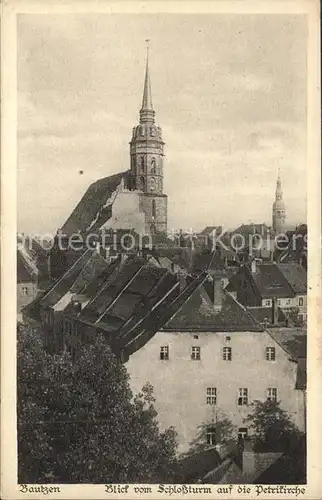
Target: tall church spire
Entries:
(147, 113)
(278, 207)
(279, 191)
(147, 97)
(147, 154)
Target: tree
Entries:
(222, 430)
(272, 427)
(78, 421)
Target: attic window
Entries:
(196, 336)
(228, 339)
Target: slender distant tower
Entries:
(146, 150)
(278, 208)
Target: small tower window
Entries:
(142, 163)
(152, 184)
(153, 166)
(141, 130)
(153, 209)
(142, 183)
(152, 131)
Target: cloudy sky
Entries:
(229, 92)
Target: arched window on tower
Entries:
(153, 166)
(154, 212)
(152, 229)
(142, 163)
(152, 184)
(142, 183)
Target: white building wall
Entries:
(126, 213)
(180, 383)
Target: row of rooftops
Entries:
(134, 297)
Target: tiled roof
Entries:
(270, 282)
(210, 229)
(246, 229)
(93, 209)
(198, 313)
(74, 280)
(295, 275)
(293, 340)
(25, 272)
(264, 314)
(301, 376)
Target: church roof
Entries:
(95, 206)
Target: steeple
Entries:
(278, 207)
(147, 154)
(279, 191)
(147, 113)
(147, 97)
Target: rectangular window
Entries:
(226, 355)
(195, 353)
(242, 432)
(301, 301)
(211, 435)
(267, 302)
(272, 394)
(270, 353)
(164, 353)
(243, 397)
(24, 290)
(211, 395)
(278, 302)
(288, 302)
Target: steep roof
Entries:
(95, 206)
(26, 272)
(271, 282)
(295, 275)
(209, 229)
(198, 313)
(293, 340)
(246, 229)
(74, 280)
(264, 314)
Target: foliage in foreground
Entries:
(78, 423)
(272, 427)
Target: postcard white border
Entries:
(9, 10)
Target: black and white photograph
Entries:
(162, 253)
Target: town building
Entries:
(259, 284)
(27, 279)
(133, 199)
(204, 353)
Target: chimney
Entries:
(274, 311)
(218, 291)
(249, 457)
(253, 266)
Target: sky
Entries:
(229, 91)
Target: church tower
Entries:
(146, 150)
(278, 208)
